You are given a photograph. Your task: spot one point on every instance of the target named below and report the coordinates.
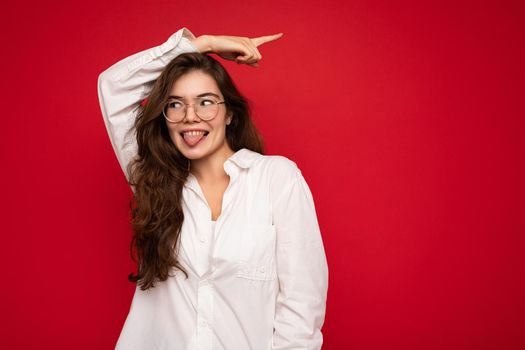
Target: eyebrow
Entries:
(201, 95)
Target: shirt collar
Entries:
(242, 159)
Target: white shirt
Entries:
(258, 276)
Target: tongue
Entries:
(192, 140)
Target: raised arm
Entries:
(125, 84)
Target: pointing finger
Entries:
(264, 39)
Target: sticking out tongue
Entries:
(192, 140)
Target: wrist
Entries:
(202, 43)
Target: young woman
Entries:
(228, 246)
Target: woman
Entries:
(228, 246)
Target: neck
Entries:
(211, 168)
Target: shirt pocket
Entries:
(257, 253)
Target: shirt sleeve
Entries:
(301, 267)
(123, 86)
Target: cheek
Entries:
(220, 124)
(173, 135)
(219, 133)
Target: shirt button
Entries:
(204, 323)
(262, 269)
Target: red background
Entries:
(405, 119)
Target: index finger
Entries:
(264, 39)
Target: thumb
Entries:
(238, 59)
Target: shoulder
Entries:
(274, 174)
(278, 170)
(281, 165)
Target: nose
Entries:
(191, 116)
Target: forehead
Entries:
(194, 83)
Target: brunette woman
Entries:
(226, 239)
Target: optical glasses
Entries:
(206, 108)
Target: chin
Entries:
(193, 153)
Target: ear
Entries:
(229, 118)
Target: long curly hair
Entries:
(158, 173)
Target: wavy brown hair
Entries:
(159, 171)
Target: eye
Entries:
(207, 102)
(175, 104)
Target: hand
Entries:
(235, 48)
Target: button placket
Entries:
(205, 303)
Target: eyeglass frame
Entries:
(186, 105)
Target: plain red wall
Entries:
(407, 121)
